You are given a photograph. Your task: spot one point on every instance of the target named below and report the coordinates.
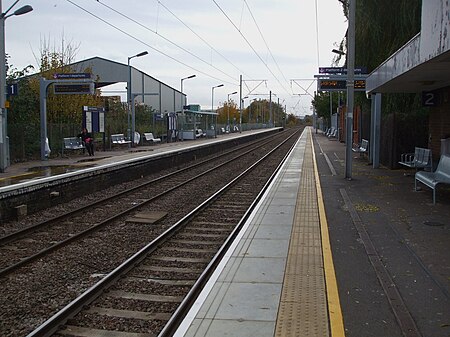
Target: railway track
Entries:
(92, 264)
(35, 241)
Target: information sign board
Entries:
(94, 118)
(340, 85)
(79, 88)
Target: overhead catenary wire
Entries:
(202, 39)
(317, 34)
(199, 69)
(148, 45)
(250, 45)
(163, 37)
(265, 42)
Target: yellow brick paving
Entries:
(305, 309)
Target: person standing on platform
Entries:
(87, 140)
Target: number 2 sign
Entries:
(429, 98)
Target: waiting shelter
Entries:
(196, 123)
(420, 66)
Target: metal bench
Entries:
(421, 158)
(329, 131)
(199, 133)
(73, 143)
(363, 148)
(333, 134)
(119, 139)
(148, 136)
(432, 179)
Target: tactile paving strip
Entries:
(303, 308)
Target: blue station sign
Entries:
(72, 76)
(341, 70)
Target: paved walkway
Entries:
(390, 246)
(387, 244)
(273, 280)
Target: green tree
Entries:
(64, 112)
(321, 103)
(292, 120)
(229, 109)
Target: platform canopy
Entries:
(147, 89)
(422, 64)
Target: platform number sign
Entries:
(430, 98)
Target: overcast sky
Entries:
(269, 42)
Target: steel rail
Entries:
(53, 324)
(96, 227)
(184, 307)
(18, 234)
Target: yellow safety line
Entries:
(17, 176)
(334, 305)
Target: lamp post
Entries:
(350, 88)
(250, 113)
(240, 114)
(228, 110)
(212, 105)
(130, 133)
(350, 61)
(4, 148)
(182, 105)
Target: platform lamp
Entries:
(4, 148)
(350, 61)
(182, 105)
(240, 113)
(130, 133)
(212, 106)
(228, 109)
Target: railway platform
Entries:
(324, 256)
(321, 255)
(75, 161)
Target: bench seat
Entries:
(421, 158)
(333, 133)
(432, 179)
(199, 133)
(119, 139)
(148, 136)
(73, 143)
(363, 148)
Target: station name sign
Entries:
(72, 76)
(341, 70)
(339, 85)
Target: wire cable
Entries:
(317, 35)
(146, 44)
(201, 38)
(163, 37)
(265, 42)
(250, 45)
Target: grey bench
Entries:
(363, 148)
(148, 136)
(421, 158)
(333, 133)
(199, 133)
(119, 139)
(432, 179)
(73, 143)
